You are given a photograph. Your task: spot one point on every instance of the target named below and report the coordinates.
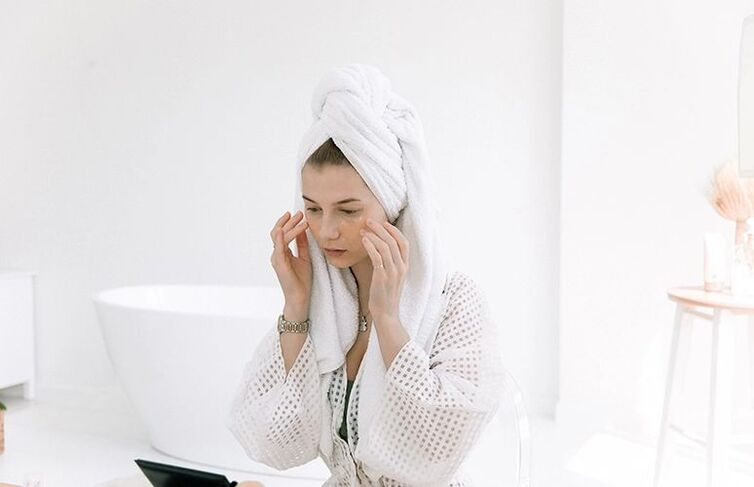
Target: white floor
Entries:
(65, 445)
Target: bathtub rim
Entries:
(98, 298)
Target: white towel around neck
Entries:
(382, 137)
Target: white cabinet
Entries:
(17, 330)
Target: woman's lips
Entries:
(334, 253)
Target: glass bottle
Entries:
(742, 271)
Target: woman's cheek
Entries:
(359, 223)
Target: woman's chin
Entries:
(337, 263)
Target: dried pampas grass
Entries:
(732, 196)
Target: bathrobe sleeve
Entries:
(436, 405)
(276, 417)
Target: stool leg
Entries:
(679, 384)
(718, 441)
(750, 330)
(679, 329)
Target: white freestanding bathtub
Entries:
(179, 353)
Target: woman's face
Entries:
(336, 223)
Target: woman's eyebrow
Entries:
(347, 200)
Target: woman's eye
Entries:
(347, 212)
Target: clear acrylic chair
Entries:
(502, 455)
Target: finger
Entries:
(394, 253)
(277, 249)
(374, 254)
(281, 246)
(278, 224)
(294, 232)
(302, 244)
(295, 219)
(383, 250)
(401, 239)
(283, 218)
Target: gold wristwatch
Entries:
(292, 326)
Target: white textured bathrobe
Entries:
(413, 423)
(435, 405)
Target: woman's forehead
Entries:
(334, 186)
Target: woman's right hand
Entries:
(294, 273)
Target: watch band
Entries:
(292, 326)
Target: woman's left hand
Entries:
(388, 246)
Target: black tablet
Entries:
(164, 475)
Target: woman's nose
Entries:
(330, 228)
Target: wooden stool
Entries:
(688, 299)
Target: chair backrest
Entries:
(502, 455)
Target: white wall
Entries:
(153, 142)
(649, 109)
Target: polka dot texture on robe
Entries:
(435, 405)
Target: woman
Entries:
(384, 363)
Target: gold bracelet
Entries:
(292, 326)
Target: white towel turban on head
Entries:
(382, 137)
